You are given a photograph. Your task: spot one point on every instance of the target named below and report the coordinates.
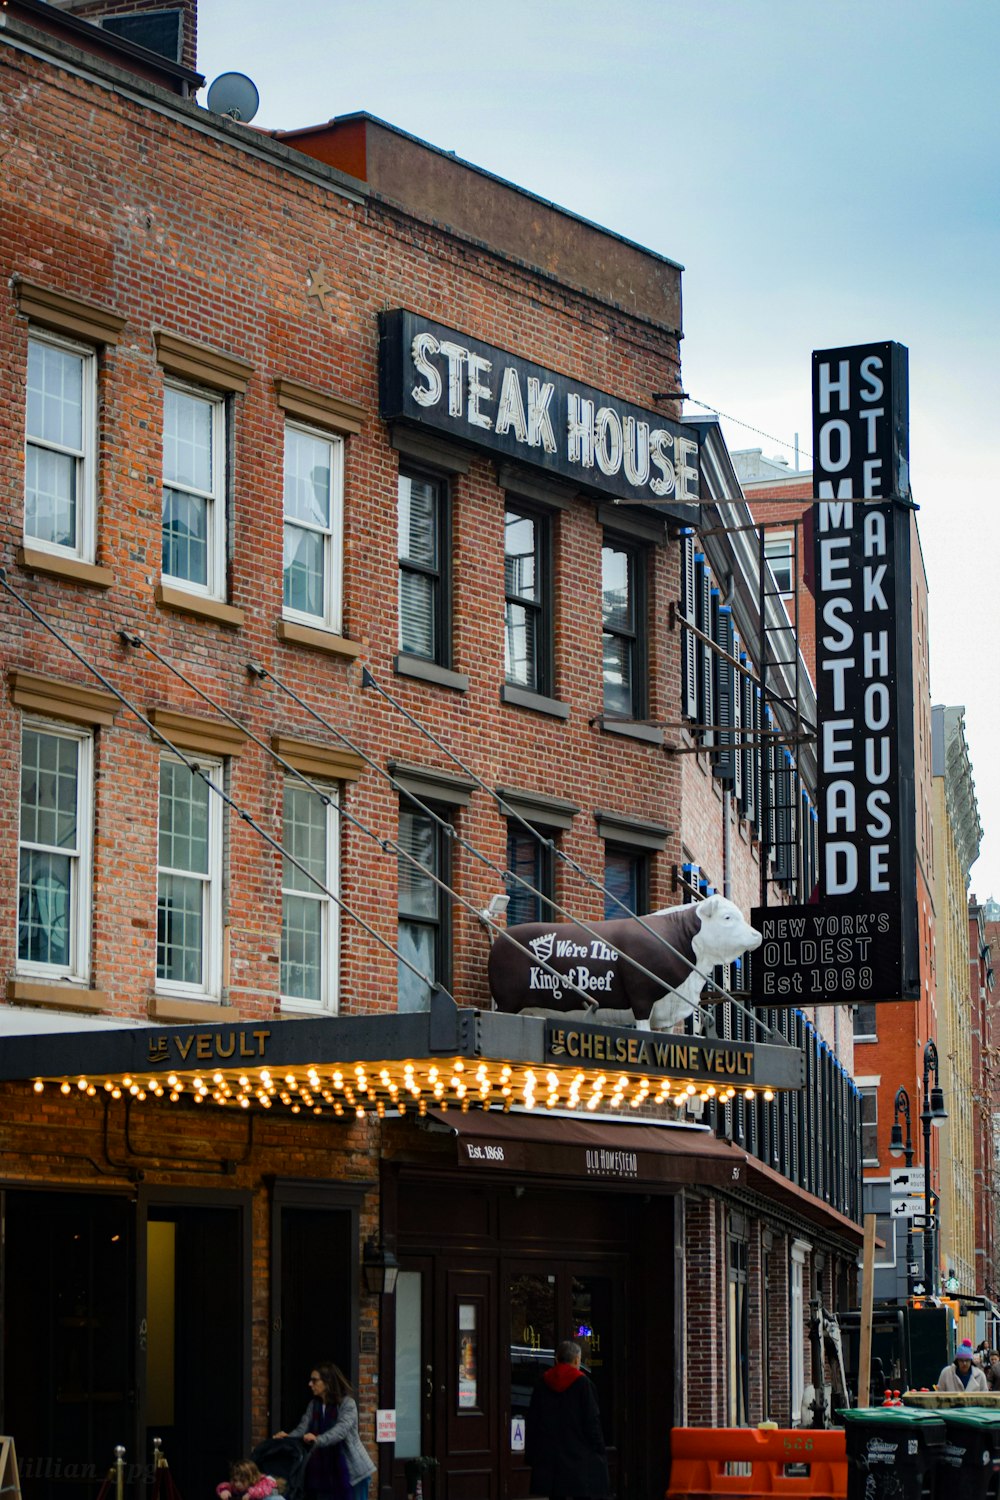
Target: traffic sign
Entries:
(906, 1208)
(906, 1181)
(924, 1221)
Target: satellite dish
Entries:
(235, 95)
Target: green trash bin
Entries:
(892, 1452)
(969, 1463)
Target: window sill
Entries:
(55, 996)
(524, 698)
(168, 1008)
(429, 671)
(319, 640)
(632, 731)
(34, 560)
(306, 1008)
(184, 603)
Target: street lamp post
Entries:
(933, 1113)
(899, 1147)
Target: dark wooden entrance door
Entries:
(473, 1334)
(544, 1301)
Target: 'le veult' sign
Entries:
(859, 939)
(469, 390)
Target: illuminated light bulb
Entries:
(481, 1071)
(402, 1107)
(196, 1083)
(506, 1091)
(296, 1109)
(461, 1091)
(703, 1098)
(505, 1072)
(81, 1084)
(593, 1101)
(107, 1086)
(141, 1096)
(432, 1074)
(64, 1088)
(244, 1102)
(769, 1095)
(217, 1077)
(265, 1077)
(116, 1093)
(198, 1098)
(710, 1091)
(384, 1075)
(338, 1108)
(290, 1080)
(690, 1089)
(338, 1079)
(422, 1107)
(465, 1106)
(360, 1112)
(444, 1105)
(438, 1089)
(133, 1089)
(748, 1093)
(317, 1109)
(244, 1081)
(174, 1096)
(38, 1086)
(266, 1102)
(459, 1066)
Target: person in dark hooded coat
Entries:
(564, 1443)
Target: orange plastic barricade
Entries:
(744, 1462)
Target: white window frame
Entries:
(330, 947)
(333, 547)
(781, 544)
(868, 1090)
(86, 459)
(210, 987)
(796, 1322)
(217, 498)
(887, 1232)
(82, 887)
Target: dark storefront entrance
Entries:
(491, 1279)
(133, 1307)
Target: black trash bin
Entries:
(891, 1452)
(969, 1463)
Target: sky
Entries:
(827, 172)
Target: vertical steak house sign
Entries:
(859, 940)
(483, 395)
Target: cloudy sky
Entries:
(827, 171)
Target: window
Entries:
(869, 1125)
(778, 552)
(423, 935)
(626, 883)
(532, 861)
(309, 917)
(189, 890)
(865, 1026)
(885, 1230)
(194, 510)
(60, 447)
(314, 485)
(423, 562)
(53, 898)
(796, 1330)
(738, 1341)
(623, 608)
(528, 608)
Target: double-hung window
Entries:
(314, 488)
(528, 599)
(423, 935)
(53, 898)
(778, 550)
(194, 490)
(189, 889)
(423, 568)
(60, 447)
(869, 1125)
(309, 915)
(623, 598)
(530, 863)
(626, 883)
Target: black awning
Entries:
(593, 1149)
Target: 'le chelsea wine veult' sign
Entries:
(858, 939)
(466, 389)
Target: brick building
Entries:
(316, 640)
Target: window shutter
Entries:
(725, 758)
(703, 620)
(689, 641)
(738, 684)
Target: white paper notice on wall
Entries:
(385, 1425)
(517, 1434)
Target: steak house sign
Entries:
(483, 395)
(859, 941)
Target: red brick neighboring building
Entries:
(234, 1073)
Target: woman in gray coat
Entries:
(339, 1466)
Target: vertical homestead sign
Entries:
(859, 939)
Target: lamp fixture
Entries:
(380, 1267)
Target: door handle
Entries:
(428, 1382)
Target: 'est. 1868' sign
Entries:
(483, 395)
